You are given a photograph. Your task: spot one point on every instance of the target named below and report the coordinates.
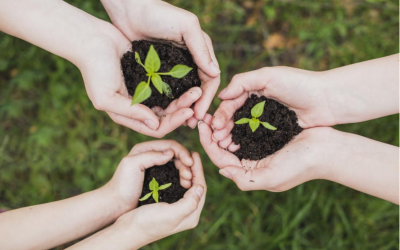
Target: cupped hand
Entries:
(106, 89)
(126, 185)
(299, 161)
(300, 90)
(154, 19)
(155, 221)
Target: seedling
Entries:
(152, 65)
(254, 122)
(154, 188)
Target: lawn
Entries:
(54, 144)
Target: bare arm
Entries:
(363, 91)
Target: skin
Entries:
(349, 94)
(96, 47)
(73, 218)
(155, 19)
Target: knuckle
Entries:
(126, 160)
(193, 224)
(98, 103)
(192, 18)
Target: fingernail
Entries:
(150, 124)
(225, 173)
(223, 92)
(212, 136)
(197, 93)
(214, 68)
(199, 190)
(199, 122)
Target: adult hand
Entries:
(126, 185)
(154, 19)
(106, 89)
(296, 163)
(300, 90)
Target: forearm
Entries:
(363, 164)
(363, 91)
(52, 224)
(52, 25)
(121, 235)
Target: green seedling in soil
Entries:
(154, 188)
(254, 122)
(152, 65)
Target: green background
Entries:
(54, 144)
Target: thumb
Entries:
(149, 159)
(121, 105)
(189, 203)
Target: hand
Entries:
(298, 162)
(155, 221)
(300, 90)
(148, 19)
(126, 185)
(106, 89)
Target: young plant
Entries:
(154, 188)
(254, 122)
(152, 65)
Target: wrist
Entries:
(115, 206)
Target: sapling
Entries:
(152, 65)
(154, 188)
(254, 122)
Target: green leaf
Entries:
(167, 90)
(153, 185)
(268, 126)
(145, 197)
(179, 71)
(243, 121)
(142, 92)
(152, 62)
(155, 196)
(162, 187)
(137, 58)
(258, 109)
(157, 82)
(254, 124)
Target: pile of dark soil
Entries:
(170, 56)
(264, 142)
(163, 174)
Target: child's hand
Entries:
(299, 161)
(152, 222)
(126, 185)
(300, 90)
(154, 19)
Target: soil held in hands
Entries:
(163, 174)
(170, 56)
(264, 142)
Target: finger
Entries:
(121, 105)
(226, 110)
(249, 81)
(195, 41)
(209, 85)
(246, 180)
(225, 142)
(192, 122)
(233, 147)
(185, 174)
(221, 134)
(180, 151)
(197, 171)
(208, 119)
(149, 159)
(167, 124)
(218, 156)
(188, 204)
(185, 101)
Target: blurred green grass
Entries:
(54, 144)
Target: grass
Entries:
(54, 144)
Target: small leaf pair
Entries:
(152, 64)
(154, 188)
(254, 122)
